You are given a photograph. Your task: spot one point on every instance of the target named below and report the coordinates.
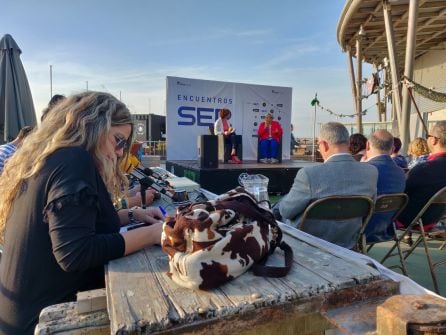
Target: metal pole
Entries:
(120, 96)
(314, 132)
(385, 76)
(359, 81)
(87, 84)
(51, 81)
(418, 111)
(396, 101)
(352, 78)
(378, 95)
(408, 72)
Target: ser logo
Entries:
(200, 116)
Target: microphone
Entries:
(150, 172)
(147, 182)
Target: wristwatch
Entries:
(131, 215)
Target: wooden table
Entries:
(142, 299)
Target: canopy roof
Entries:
(431, 28)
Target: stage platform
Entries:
(225, 177)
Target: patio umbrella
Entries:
(16, 102)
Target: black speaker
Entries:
(207, 151)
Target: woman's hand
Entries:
(143, 237)
(135, 200)
(150, 215)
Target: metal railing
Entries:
(154, 148)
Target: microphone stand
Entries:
(145, 183)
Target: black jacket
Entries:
(423, 181)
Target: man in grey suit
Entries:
(339, 175)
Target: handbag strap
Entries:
(259, 268)
(262, 270)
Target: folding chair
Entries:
(437, 202)
(394, 205)
(329, 210)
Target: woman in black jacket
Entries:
(57, 219)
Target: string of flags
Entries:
(315, 102)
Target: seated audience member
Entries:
(424, 180)
(340, 174)
(391, 179)
(419, 151)
(269, 133)
(57, 219)
(293, 142)
(357, 146)
(53, 102)
(399, 160)
(222, 126)
(8, 149)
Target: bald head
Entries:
(379, 143)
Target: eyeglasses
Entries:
(428, 135)
(121, 143)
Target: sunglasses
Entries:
(121, 143)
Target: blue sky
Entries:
(127, 48)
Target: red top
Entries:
(438, 154)
(274, 131)
(225, 125)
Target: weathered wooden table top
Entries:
(142, 299)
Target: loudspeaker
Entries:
(207, 151)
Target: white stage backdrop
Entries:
(193, 105)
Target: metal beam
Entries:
(352, 77)
(359, 80)
(408, 72)
(396, 101)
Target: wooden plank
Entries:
(63, 319)
(328, 248)
(299, 280)
(133, 294)
(90, 301)
(189, 305)
(339, 272)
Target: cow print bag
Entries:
(212, 242)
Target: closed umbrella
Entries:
(16, 102)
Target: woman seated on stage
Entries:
(222, 126)
(269, 133)
(57, 220)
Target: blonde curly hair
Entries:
(82, 120)
(418, 147)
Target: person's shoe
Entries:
(236, 160)
(263, 160)
(274, 161)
